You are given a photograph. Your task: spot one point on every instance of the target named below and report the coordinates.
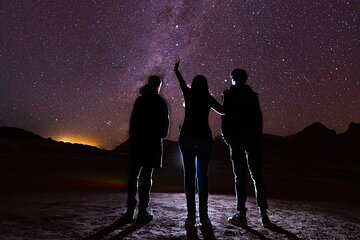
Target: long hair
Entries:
(199, 85)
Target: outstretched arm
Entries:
(217, 106)
(180, 78)
(225, 123)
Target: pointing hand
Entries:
(176, 65)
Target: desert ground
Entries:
(96, 215)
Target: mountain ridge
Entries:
(316, 128)
(315, 142)
(29, 161)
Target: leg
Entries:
(254, 163)
(132, 186)
(238, 158)
(188, 151)
(204, 152)
(145, 188)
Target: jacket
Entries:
(243, 118)
(149, 124)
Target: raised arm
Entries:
(180, 78)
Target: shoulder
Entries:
(139, 99)
(158, 100)
(254, 94)
(226, 91)
(212, 98)
(249, 91)
(162, 99)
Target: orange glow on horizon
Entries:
(78, 140)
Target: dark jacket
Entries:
(149, 124)
(242, 121)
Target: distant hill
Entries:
(17, 140)
(317, 150)
(21, 149)
(315, 160)
(318, 143)
(314, 145)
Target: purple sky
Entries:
(72, 69)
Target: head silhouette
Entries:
(154, 81)
(239, 76)
(199, 85)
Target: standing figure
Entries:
(149, 125)
(196, 142)
(242, 130)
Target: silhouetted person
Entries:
(242, 130)
(149, 125)
(196, 142)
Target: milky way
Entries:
(72, 69)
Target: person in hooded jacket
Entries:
(196, 142)
(241, 128)
(149, 124)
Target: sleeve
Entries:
(182, 82)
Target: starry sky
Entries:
(71, 70)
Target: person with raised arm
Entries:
(196, 143)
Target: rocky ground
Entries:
(95, 215)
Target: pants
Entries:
(243, 158)
(145, 186)
(196, 155)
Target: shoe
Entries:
(144, 216)
(128, 216)
(239, 219)
(189, 223)
(264, 218)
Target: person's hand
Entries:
(176, 65)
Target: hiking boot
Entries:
(264, 218)
(128, 216)
(144, 216)
(190, 222)
(239, 219)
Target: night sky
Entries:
(71, 70)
